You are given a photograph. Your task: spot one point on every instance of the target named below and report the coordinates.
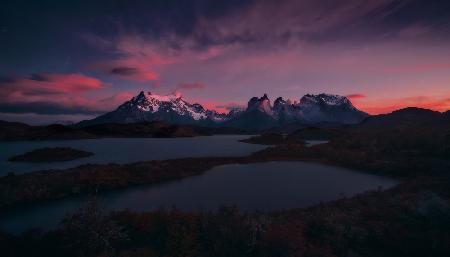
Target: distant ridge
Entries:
(410, 117)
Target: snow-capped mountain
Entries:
(259, 114)
(150, 107)
(311, 109)
(329, 108)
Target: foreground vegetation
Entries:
(411, 219)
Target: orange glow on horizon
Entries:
(440, 104)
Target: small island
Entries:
(51, 154)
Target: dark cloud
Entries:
(40, 77)
(291, 21)
(124, 71)
(6, 80)
(46, 32)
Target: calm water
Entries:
(126, 150)
(315, 142)
(264, 186)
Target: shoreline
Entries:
(349, 223)
(40, 186)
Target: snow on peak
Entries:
(327, 99)
(162, 98)
(148, 102)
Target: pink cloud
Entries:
(195, 85)
(356, 96)
(126, 69)
(140, 59)
(55, 94)
(49, 83)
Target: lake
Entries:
(258, 186)
(126, 150)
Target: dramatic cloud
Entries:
(138, 59)
(124, 71)
(48, 83)
(135, 71)
(294, 21)
(55, 94)
(141, 58)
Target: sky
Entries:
(73, 60)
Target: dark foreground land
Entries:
(12, 131)
(411, 219)
(51, 154)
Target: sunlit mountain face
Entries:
(66, 61)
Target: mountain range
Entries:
(260, 112)
(412, 120)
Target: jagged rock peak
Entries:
(328, 99)
(261, 104)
